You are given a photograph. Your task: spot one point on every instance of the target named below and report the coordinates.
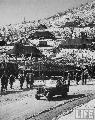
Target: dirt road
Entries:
(20, 105)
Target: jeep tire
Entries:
(37, 97)
(49, 96)
(64, 94)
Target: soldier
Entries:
(68, 78)
(59, 83)
(63, 80)
(4, 81)
(27, 79)
(32, 80)
(84, 76)
(12, 79)
(21, 80)
(43, 77)
(77, 77)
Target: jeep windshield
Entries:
(52, 82)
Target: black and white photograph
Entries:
(47, 59)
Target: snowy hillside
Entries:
(82, 16)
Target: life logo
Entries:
(86, 114)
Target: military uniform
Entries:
(84, 76)
(4, 82)
(21, 80)
(68, 78)
(12, 79)
(77, 77)
(30, 79)
(27, 79)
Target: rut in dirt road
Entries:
(23, 105)
(62, 109)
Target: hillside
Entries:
(70, 23)
(82, 16)
(77, 24)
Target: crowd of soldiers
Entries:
(78, 75)
(29, 78)
(5, 79)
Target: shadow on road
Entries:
(9, 92)
(90, 84)
(14, 91)
(60, 98)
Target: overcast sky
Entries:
(13, 11)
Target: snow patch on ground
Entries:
(72, 115)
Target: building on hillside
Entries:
(42, 43)
(41, 35)
(42, 27)
(19, 49)
(44, 38)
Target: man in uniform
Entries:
(84, 76)
(59, 83)
(68, 78)
(27, 79)
(21, 80)
(30, 79)
(77, 76)
(12, 79)
(4, 81)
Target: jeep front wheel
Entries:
(37, 97)
(64, 95)
(49, 96)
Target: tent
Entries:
(20, 49)
(42, 35)
(2, 43)
(42, 26)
